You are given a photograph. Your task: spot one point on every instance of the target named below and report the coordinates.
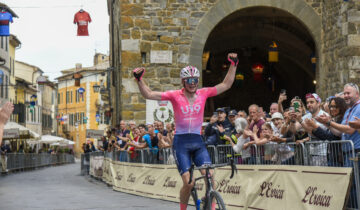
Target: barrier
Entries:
(22, 161)
(313, 153)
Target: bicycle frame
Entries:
(209, 184)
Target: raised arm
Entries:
(145, 91)
(230, 76)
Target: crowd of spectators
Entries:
(277, 134)
(316, 120)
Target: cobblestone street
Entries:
(62, 187)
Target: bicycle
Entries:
(210, 193)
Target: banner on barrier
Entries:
(96, 166)
(254, 186)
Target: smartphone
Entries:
(296, 106)
(215, 114)
(283, 91)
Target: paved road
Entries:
(62, 187)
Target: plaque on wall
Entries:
(161, 56)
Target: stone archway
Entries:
(298, 8)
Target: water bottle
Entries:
(198, 202)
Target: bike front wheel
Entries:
(216, 198)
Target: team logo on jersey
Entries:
(190, 109)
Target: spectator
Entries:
(348, 126)
(135, 140)
(92, 147)
(255, 118)
(277, 121)
(318, 151)
(161, 128)
(265, 140)
(211, 134)
(242, 114)
(132, 126)
(232, 117)
(243, 141)
(122, 132)
(337, 111)
(87, 148)
(4, 150)
(274, 107)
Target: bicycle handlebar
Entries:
(213, 166)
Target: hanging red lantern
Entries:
(257, 69)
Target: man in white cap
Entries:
(317, 152)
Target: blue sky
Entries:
(48, 35)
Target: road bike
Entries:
(211, 195)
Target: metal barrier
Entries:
(313, 153)
(18, 161)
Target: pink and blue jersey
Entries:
(188, 118)
(5, 19)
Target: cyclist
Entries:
(188, 104)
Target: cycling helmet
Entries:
(189, 71)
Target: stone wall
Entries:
(340, 61)
(140, 26)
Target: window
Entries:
(6, 43)
(71, 96)
(34, 113)
(67, 97)
(52, 98)
(13, 64)
(10, 65)
(77, 97)
(58, 98)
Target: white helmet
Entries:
(189, 71)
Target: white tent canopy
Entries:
(22, 129)
(55, 140)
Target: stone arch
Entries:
(298, 8)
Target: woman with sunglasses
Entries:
(337, 108)
(188, 104)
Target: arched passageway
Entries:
(249, 32)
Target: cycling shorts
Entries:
(187, 148)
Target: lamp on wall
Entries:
(96, 88)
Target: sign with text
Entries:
(253, 187)
(95, 134)
(12, 133)
(160, 56)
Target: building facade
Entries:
(14, 44)
(49, 104)
(317, 44)
(27, 91)
(76, 111)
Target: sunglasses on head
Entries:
(192, 80)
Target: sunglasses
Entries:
(333, 107)
(192, 80)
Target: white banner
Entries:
(253, 187)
